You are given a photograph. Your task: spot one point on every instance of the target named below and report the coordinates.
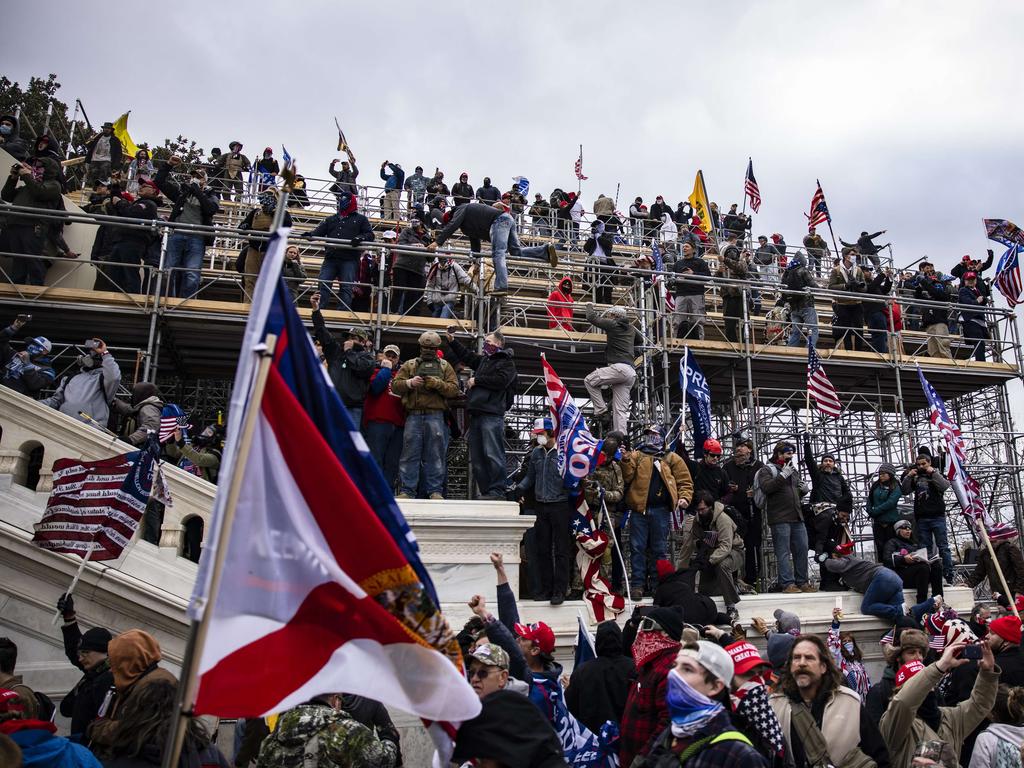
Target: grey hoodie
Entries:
(855, 571)
(90, 391)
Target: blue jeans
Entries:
(385, 442)
(505, 240)
(648, 534)
(808, 318)
(185, 259)
(884, 598)
(789, 541)
(879, 327)
(345, 272)
(423, 453)
(356, 414)
(444, 309)
(935, 527)
(487, 453)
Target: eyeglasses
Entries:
(650, 625)
(480, 673)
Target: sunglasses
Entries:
(480, 673)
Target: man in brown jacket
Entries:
(426, 384)
(712, 548)
(659, 485)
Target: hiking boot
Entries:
(733, 614)
(808, 588)
(403, 495)
(792, 589)
(557, 599)
(436, 496)
(552, 255)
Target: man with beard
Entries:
(739, 474)
(914, 714)
(822, 721)
(713, 549)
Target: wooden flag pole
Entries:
(74, 581)
(999, 569)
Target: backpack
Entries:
(46, 707)
(742, 524)
(760, 499)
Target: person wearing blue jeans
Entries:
(345, 272)
(882, 587)
(928, 486)
(797, 284)
(648, 539)
(932, 532)
(505, 240)
(805, 319)
(341, 262)
(778, 491)
(196, 203)
(422, 461)
(789, 541)
(185, 260)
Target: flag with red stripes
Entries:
(1008, 278)
(579, 166)
(322, 588)
(819, 386)
(819, 209)
(750, 187)
(966, 488)
(96, 504)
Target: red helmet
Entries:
(712, 446)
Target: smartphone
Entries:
(973, 651)
(24, 318)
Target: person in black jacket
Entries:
(675, 590)
(39, 187)
(103, 154)
(345, 179)
(28, 371)
(341, 262)
(462, 192)
(797, 284)
(88, 652)
(827, 482)
(194, 203)
(917, 573)
(598, 689)
(928, 486)
(350, 362)
(598, 248)
(491, 389)
(132, 243)
(488, 193)
(739, 493)
(267, 169)
(974, 326)
(934, 319)
(690, 309)
(874, 311)
(867, 249)
(707, 472)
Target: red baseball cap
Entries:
(845, 549)
(745, 657)
(10, 701)
(907, 671)
(539, 633)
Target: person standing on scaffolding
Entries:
(618, 373)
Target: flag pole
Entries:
(74, 581)
(579, 181)
(829, 222)
(618, 551)
(999, 568)
(750, 161)
(200, 628)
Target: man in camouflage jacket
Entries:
(322, 734)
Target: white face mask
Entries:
(542, 440)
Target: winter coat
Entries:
(416, 261)
(856, 572)
(435, 392)
(933, 290)
(796, 281)
(728, 546)
(825, 486)
(443, 282)
(646, 714)
(719, 748)
(699, 268)
(206, 460)
(474, 221)
(622, 337)
(542, 476)
(13, 144)
(607, 243)
(903, 730)
(338, 738)
(743, 476)
(89, 391)
(344, 181)
(706, 477)
(971, 297)
(144, 208)
(881, 285)
(116, 150)
(1008, 555)
(354, 227)
(41, 748)
(894, 550)
(816, 247)
(674, 591)
(883, 503)
(349, 369)
(27, 378)
(782, 495)
(637, 468)
(604, 206)
(181, 195)
(559, 305)
(928, 492)
(734, 267)
(140, 419)
(849, 280)
(495, 379)
(396, 181)
(82, 703)
(993, 742)
(488, 194)
(462, 193)
(607, 477)
(45, 194)
(598, 689)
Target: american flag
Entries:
(966, 488)
(579, 166)
(97, 505)
(171, 418)
(819, 209)
(1007, 279)
(751, 188)
(818, 385)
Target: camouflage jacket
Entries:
(609, 477)
(316, 736)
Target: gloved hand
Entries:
(66, 606)
(307, 235)
(787, 471)
(355, 242)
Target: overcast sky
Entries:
(908, 112)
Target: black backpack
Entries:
(742, 524)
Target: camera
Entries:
(92, 344)
(973, 652)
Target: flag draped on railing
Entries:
(966, 488)
(579, 452)
(97, 505)
(322, 587)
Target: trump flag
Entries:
(321, 589)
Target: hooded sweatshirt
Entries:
(89, 391)
(42, 748)
(12, 143)
(560, 303)
(598, 689)
(997, 738)
(143, 415)
(30, 193)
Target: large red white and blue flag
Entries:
(322, 588)
(1008, 278)
(750, 188)
(966, 488)
(819, 209)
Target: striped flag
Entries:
(818, 385)
(819, 209)
(579, 166)
(750, 187)
(522, 185)
(172, 418)
(320, 566)
(97, 505)
(1007, 279)
(966, 488)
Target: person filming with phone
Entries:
(28, 371)
(87, 395)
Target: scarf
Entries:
(750, 705)
(649, 644)
(689, 709)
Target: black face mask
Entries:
(929, 711)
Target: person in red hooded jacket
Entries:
(560, 303)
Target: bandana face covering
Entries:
(648, 644)
(268, 202)
(689, 709)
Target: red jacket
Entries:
(560, 303)
(646, 713)
(381, 403)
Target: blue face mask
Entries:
(689, 709)
(6, 130)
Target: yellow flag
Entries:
(121, 131)
(699, 202)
